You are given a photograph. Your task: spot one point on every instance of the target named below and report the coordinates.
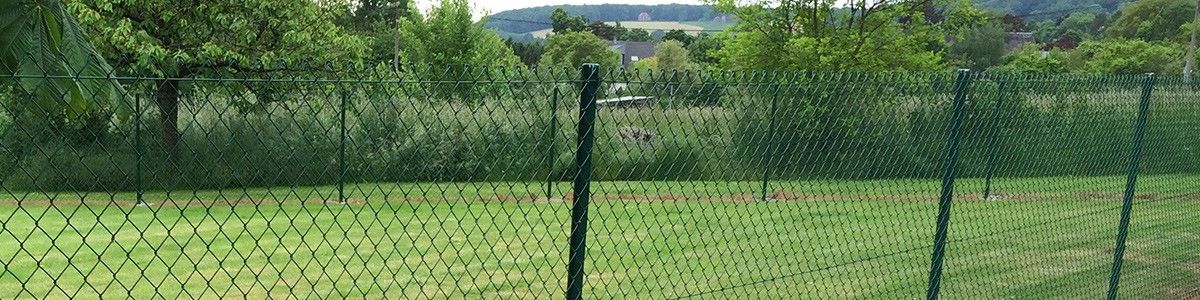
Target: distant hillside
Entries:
(603, 12)
(1049, 9)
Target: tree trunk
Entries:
(395, 50)
(168, 108)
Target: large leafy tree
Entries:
(1152, 20)
(575, 48)
(379, 20)
(979, 48)
(178, 39)
(827, 34)
(671, 55)
(448, 35)
(562, 22)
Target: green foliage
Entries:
(1030, 59)
(39, 39)
(671, 55)
(529, 52)
(635, 35)
(572, 49)
(605, 31)
(679, 35)
(563, 22)
(162, 38)
(824, 39)
(979, 48)
(1152, 20)
(449, 36)
(378, 20)
(646, 64)
(703, 47)
(1127, 57)
(1044, 9)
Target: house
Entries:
(644, 16)
(632, 51)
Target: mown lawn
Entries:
(1041, 238)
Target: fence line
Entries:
(684, 185)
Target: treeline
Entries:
(1046, 9)
(605, 12)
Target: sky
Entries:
(495, 6)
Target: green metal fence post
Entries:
(770, 142)
(590, 74)
(552, 151)
(342, 148)
(139, 188)
(962, 82)
(1135, 157)
(992, 138)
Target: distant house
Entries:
(720, 18)
(644, 16)
(632, 51)
(1016, 40)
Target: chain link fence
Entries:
(471, 182)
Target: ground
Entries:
(1037, 238)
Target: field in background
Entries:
(692, 28)
(858, 239)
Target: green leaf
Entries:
(53, 29)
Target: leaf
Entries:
(40, 40)
(53, 29)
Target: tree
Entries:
(979, 47)
(1013, 23)
(561, 22)
(1152, 20)
(173, 40)
(40, 39)
(449, 36)
(671, 55)
(702, 48)
(636, 35)
(1120, 56)
(530, 53)
(1032, 60)
(679, 35)
(865, 35)
(604, 31)
(573, 49)
(378, 19)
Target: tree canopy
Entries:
(1152, 20)
(818, 35)
(573, 49)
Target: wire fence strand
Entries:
(470, 182)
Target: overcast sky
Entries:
(495, 6)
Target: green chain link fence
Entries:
(469, 182)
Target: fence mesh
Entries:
(448, 182)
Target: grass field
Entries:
(1042, 238)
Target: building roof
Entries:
(632, 51)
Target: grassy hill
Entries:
(666, 16)
(693, 28)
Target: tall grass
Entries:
(719, 127)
